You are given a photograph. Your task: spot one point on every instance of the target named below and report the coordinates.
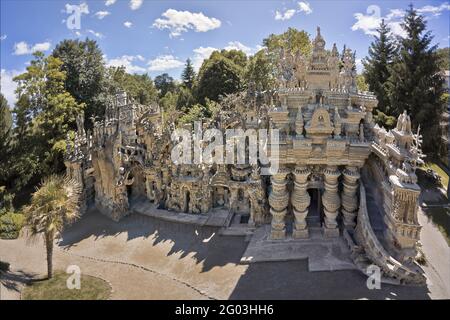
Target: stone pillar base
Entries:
(349, 226)
(330, 232)
(300, 234)
(277, 235)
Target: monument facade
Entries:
(338, 171)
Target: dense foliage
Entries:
(376, 66)
(407, 75)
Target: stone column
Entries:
(331, 201)
(349, 196)
(279, 200)
(300, 201)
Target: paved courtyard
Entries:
(145, 258)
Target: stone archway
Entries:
(136, 187)
(220, 196)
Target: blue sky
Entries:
(158, 36)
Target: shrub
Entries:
(10, 225)
(384, 120)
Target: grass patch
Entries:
(439, 171)
(92, 288)
(441, 219)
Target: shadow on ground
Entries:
(439, 215)
(14, 280)
(291, 280)
(206, 245)
(268, 280)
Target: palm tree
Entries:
(55, 203)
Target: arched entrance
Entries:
(136, 183)
(220, 197)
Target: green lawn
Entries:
(439, 171)
(92, 288)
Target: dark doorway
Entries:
(186, 202)
(315, 212)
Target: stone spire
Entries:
(319, 54)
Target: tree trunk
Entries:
(49, 247)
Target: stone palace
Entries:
(339, 172)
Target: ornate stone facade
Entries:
(327, 136)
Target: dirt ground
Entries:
(144, 258)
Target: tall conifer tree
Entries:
(416, 84)
(376, 66)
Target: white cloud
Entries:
(135, 4)
(8, 86)
(304, 7)
(181, 21)
(127, 62)
(368, 23)
(200, 54)
(397, 29)
(83, 7)
(164, 62)
(359, 65)
(109, 2)
(3, 37)
(236, 45)
(97, 34)
(102, 14)
(434, 10)
(22, 48)
(286, 15)
(128, 24)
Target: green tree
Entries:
(416, 85)
(85, 74)
(5, 142)
(293, 40)
(444, 58)
(54, 204)
(218, 76)
(139, 87)
(185, 98)
(237, 56)
(361, 83)
(164, 83)
(259, 71)
(382, 52)
(45, 113)
(188, 74)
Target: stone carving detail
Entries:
(349, 198)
